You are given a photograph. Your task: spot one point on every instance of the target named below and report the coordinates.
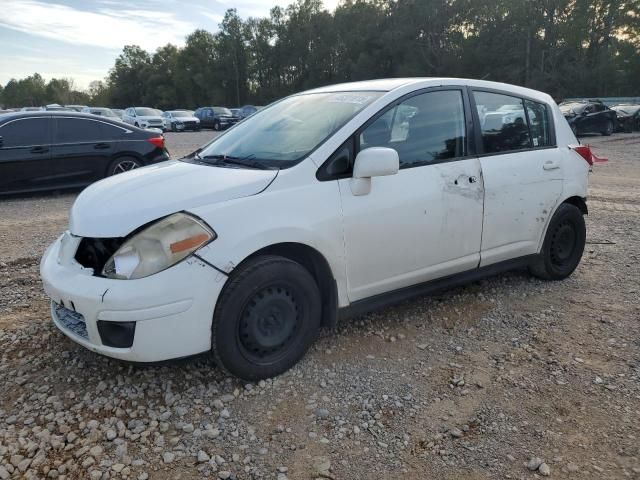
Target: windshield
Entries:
(287, 131)
(148, 112)
(182, 113)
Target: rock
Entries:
(143, 476)
(455, 432)
(203, 457)
(544, 470)
(96, 451)
(95, 474)
(224, 475)
(322, 465)
(168, 457)
(4, 474)
(572, 467)
(111, 435)
(118, 467)
(322, 413)
(188, 428)
(534, 463)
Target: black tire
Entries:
(173, 127)
(136, 125)
(123, 164)
(563, 244)
(266, 318)
(608, 129)
(216, 126)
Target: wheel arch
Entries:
(575, 200)
(578, 202)
(317, 265)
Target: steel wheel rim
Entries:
(269, 324)
(124, 166)
(563, 244)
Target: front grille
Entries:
(70, 320)
(95, 252)
(155, 122)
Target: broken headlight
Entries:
(158, 247)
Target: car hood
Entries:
(117, 205)
(184, 119)
(148, 117)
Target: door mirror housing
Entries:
(373, 162)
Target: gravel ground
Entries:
(509, 377)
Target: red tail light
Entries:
(584, 151)
(157, 141)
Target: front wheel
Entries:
(608, 129)
(563, 244)
(216, 126)
(267, 317)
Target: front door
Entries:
(424, 222)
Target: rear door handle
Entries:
(39, 149)
(550, 165)
(101, 146)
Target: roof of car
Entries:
(390, 84)
(53, 113)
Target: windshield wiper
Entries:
(231, 160)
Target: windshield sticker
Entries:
(350, 98)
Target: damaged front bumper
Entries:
(160, 317)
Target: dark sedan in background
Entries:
(217, 118)
(589, 116)
(628, 117)
(52, 150)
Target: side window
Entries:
(76, 130)
(503, 122)
(538, 124)
(25, 133)
(426, 128)
(110, 132)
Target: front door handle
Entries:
(550, 165)
(39, 149)
(101, 146)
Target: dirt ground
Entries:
(470, 384)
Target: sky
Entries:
(81, 39)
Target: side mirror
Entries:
(373, 162)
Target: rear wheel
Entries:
(123, 164)
(267, 317)
(608, 129)
(563, 244)
(216, 126)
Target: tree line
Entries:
(568, 48)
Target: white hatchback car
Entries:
(325, 204)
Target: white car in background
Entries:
(316, 208)
(143, 117)
(180, 120)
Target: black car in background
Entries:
(217, 118)
(51, 150)
(628, 117)
(589, 116)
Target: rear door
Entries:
(25, 155)
(83, 148)
(521, 169)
